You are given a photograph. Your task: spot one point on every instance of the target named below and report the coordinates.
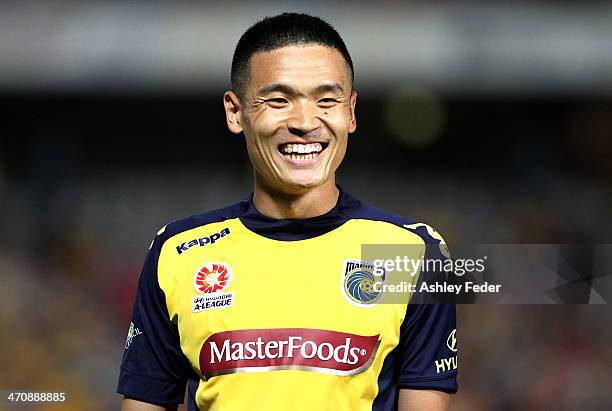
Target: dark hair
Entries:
(287, 29)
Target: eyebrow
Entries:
(287, 89)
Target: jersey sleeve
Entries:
(427, 361)
(153, 369)
(428, 341)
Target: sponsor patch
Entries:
(211, 280)
(450, 363)
(304, 349)
(202, 241)
(212, 302)
(132, 333)
(451, 341)
(358, 283)
(446, 364)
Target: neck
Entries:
(310, 202)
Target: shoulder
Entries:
(356, 209)
(177, 227)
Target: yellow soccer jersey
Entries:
(255, 313)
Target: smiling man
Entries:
(296, 107)
(266, 304)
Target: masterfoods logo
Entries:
(305, 349)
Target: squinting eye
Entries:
(277, 100)
(328, 101)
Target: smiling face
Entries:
(296, 113)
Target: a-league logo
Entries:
(213, 278)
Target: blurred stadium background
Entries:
(491, 121)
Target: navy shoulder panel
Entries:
(367, 212)
(357, 209)
(198, 220)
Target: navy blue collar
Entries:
(293, 229)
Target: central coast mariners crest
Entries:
(360, 285)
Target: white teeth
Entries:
(302, 148)
(295, 156)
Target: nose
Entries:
(303, 119)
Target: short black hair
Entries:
(287, 29)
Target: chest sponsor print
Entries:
(305, 349)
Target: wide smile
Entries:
(301, 153)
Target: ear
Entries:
(231, 102)
(352, 118)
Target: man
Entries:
(265, 304)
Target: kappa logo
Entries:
(211, 280)
(202, 241)
(358, 283)
(434, 234)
